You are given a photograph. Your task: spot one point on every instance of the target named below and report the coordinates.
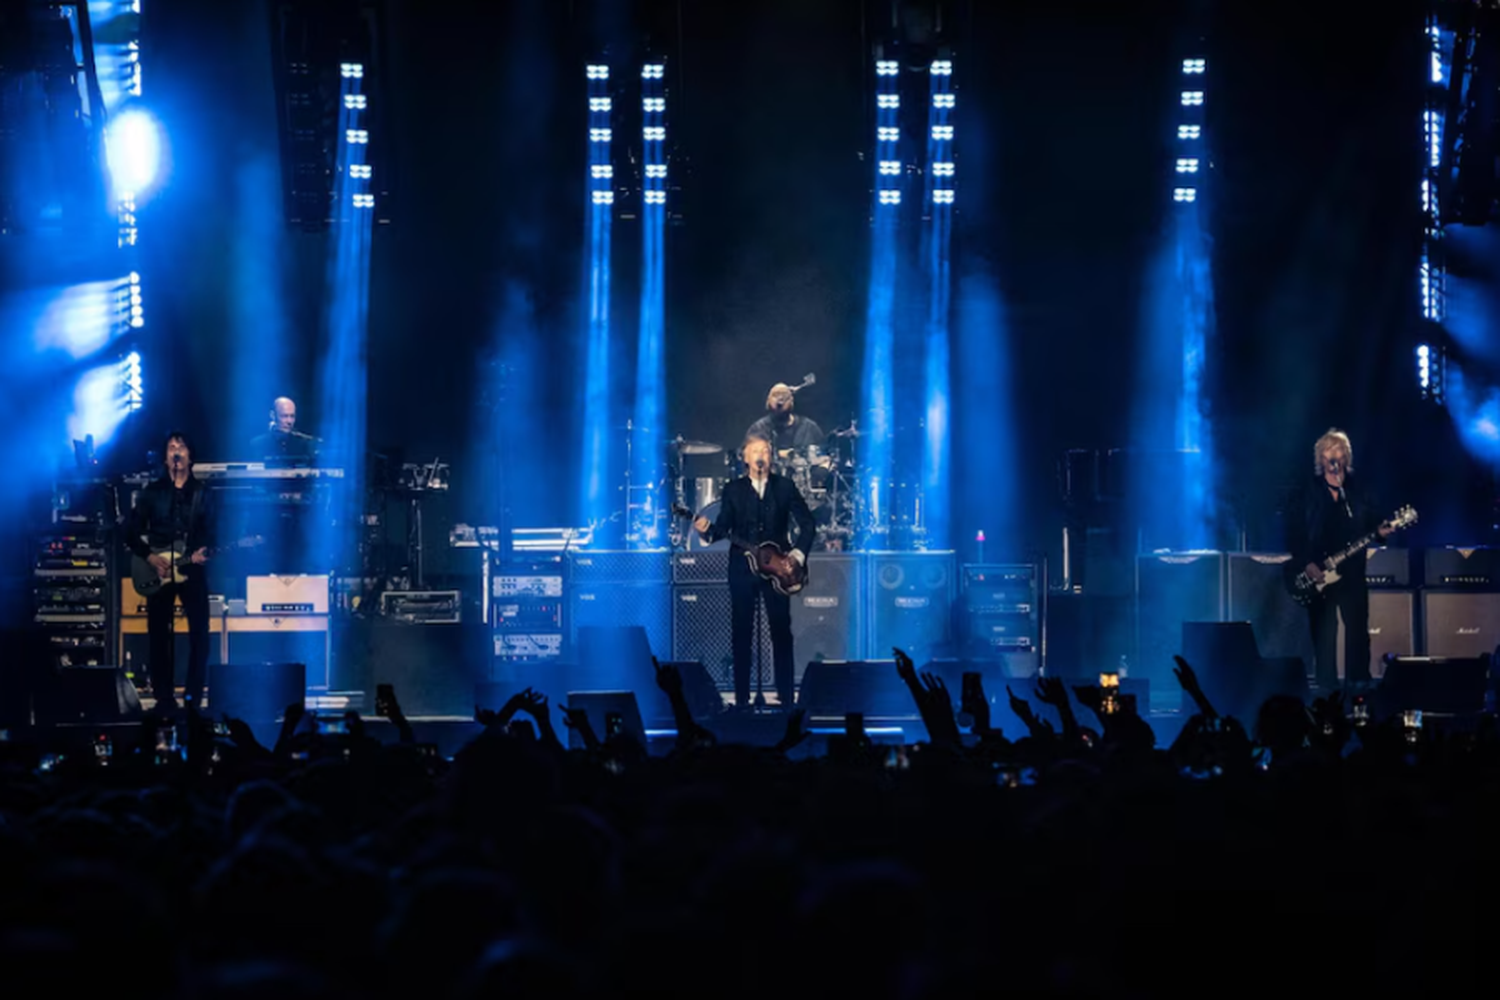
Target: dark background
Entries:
(1065, 117)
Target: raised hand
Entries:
(1090, 697)
(486, 717)
(574, 717)
(1188, 678)
(795, 733)
(668, 677)
(1021, 707)
(1052, 691)
(906, 669)
(533, 703)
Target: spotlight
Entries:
(356, 136)
(1184, 194)
(887, 101)
(886, 133)
(890, 168)
(654, 133)
(360, 171)
(944, 100)
(653, 71)
(133, 150)
(654, 104)
(598, 72)
(1190, 131)
(1187, 166)
(356, 102)
(1192, 98)
(135, 278)
(942, 133)
(600, 104)
(352, 71)
(604, 197)
(602, 171)
(942, 196)
(942, 67)
(656, 197)
(656, 170)
(942, 169)
(600, 135)
(1191, 66)
(890, 197)
(887, 67)
(364, 201)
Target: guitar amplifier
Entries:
(427, 607)
(286, 595)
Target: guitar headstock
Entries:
(1406, 515)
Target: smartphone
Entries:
(1109, 680)
(103, 748)
(1008, 777)
(48, 761)
(854, 725)
(972, 690)
(333, 727)
(1360, 711)
(1411, 721)
(221, 729)
(614, 724)
(385, 700)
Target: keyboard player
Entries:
(282, 443)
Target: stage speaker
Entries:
(433, 667)
(831, 689)
(605, 709)
(1388, 567)
(620, 566)
(1233, 674)
(87, 695)
(701, 566)
(258, 693)
(1173, 588)
(621, 605)
(1439, 684)
(1392, 629)
(1459, 624)
(701, 631)
(1258, 595)
(825, 614)
(910, 603)
(281, 639)
(1477, 567)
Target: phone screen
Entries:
(385, 700)
(333, 727)
(1109, 680)
(614, 724)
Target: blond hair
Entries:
(1333, 436)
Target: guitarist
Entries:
(175, 508)
(760, 507)
(1335, 511)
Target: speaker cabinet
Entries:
(911, 602)
(1388, 567)
(826, 621)
(1173, 588)
(701, 566)
(1458, 624)
(281, 639)
(433, 667)
(831, 689)
(1438, 684)
(620, 605)
(1450, 566)
(1393, 629)
(1257, 594)
(701, 631)
(255, 692)
(620, 566)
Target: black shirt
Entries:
(163, 514)
(279, 446)
(801, 434)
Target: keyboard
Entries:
(259, 470)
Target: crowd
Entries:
(1306, 849)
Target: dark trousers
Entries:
(745, 588)
(1352, 599)
(159, 624)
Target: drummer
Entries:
(788, 432)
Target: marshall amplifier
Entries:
(1388, 567)
(1475, 568)
(1459, 624)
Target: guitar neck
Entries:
(1356, 546)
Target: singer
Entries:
(1335, 510)
(760, 507)
(282, 442)
(175, 508)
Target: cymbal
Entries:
(685, 447)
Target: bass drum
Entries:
(695, 542)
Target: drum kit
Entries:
(851, 512)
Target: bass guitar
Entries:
(148, 581)
(767, 560)
(1305, 590)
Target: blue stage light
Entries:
(942, 133)
(943, 168)
(946, 102)
(352, 71)
(656, 171)
(887, 102)
(1190, 131)
(1184, 194)
(887, 133)
(653, 105)
(887, 67)
(601, 171)
(942, 67)
(356, 136)
(601, 135)
(653, 71)
(602, 104)
(361, 171)
(654, 133)
(604, 197)
(133, 147)
(356, 102)
(1187, 165)
(890, 197)
(1192, 98)
(942, 196)
(1192, 66)
(890, 168)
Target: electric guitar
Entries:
(1305, 590)
(148, 581)
(767, 560)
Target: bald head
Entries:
(779, 400)
(284, 415)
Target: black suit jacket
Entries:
(780, 515)
(163, 514)
(1323, 525)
